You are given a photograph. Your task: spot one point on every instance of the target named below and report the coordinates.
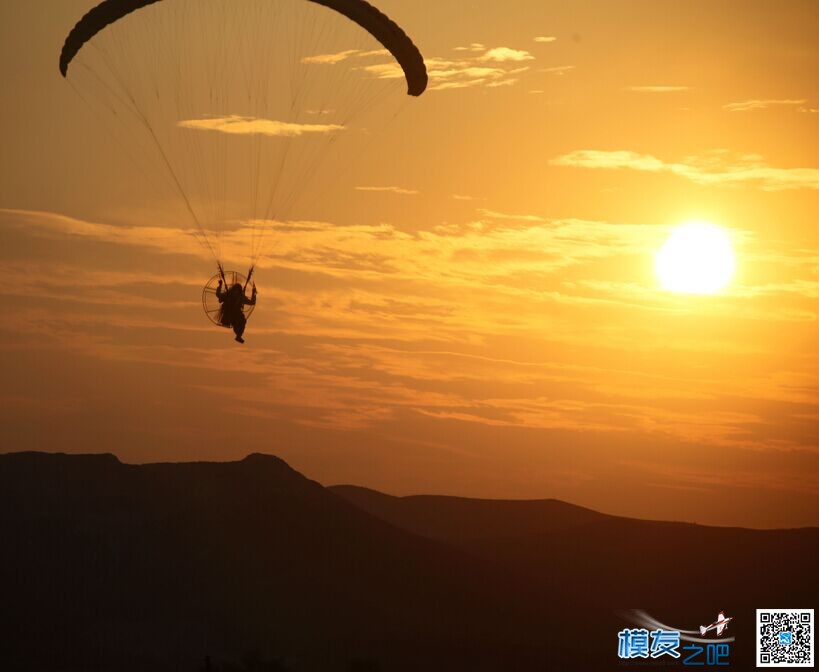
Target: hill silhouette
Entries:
(123, 567)
(600, 565)
(109, 566)
(459, 519)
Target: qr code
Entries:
(784, 637)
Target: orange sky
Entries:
(468, 306)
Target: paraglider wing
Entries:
(380, 26)
(390, 35)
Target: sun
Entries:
(697, 258)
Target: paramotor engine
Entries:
(211, 304)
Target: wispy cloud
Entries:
(558, 69)
(503, 82)
(475, 46)
(492, 214)
(716, 168)
(166, 239)
(480, 66)
(157, 238)
(545, 39)
(749, 105)
(330, 59)
(657, 89)
(393, 190)
(365, 327)
(338, 57)
(505, 54)
(676, 476)
(236, 125)
(519, 248)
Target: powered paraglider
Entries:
(228, 107)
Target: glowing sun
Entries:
(696, 259)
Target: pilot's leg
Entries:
(239, 324)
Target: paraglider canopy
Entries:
(229, 109)
(379, 25)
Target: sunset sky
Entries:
(468, 305)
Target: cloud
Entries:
(393, 190)
(657, 89)
(165, 240)
(156, 238)
(236, 125)
(389, 70)
(545, 40)
(490, 69)
(338, 57)
(366, 325)
(446, 74)
(748, 105)
(475, 46)
(502, 82)
(716, 168)
(558, 69)
(504, 54)
(329, 250)
(464, 197)
(480, 66)
(451, 255)
(675, 476)
(717, 428)
(330, 59)
(465, 78)
(492, 214)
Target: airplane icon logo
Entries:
(719, 625)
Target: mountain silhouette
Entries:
(115, 566)
(110, 566)
(597, 566)
(622, 559)
(463, 520)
